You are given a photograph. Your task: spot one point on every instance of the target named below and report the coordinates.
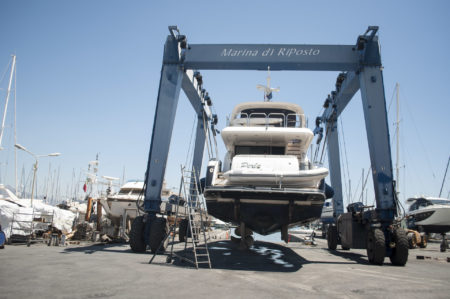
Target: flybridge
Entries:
(271, 52)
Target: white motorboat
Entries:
(121, 206)
(266, 182)
(429, 214)
(124, 202)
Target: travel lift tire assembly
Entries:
(361, 69)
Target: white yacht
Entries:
(266, 182)
(430, 214)
(123, 202)
(122, 206)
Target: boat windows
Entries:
(259, 150)
(268, 117)
(129, 191)
(420, 203)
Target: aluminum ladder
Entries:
(195, 209)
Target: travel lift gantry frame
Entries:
(362, 70)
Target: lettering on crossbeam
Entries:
(287, 52)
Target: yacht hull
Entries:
(432, 219)
(300, 178)
(264, 210)
(117, 208)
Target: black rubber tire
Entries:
(376, 246)
(332, 237)
(399, 255)
(182, 230)
(158, 232)
(412, 242)
(444, 245)
(423, 241)
(137, 242)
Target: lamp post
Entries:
(21, 147)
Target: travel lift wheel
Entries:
(376, 246)
(412, 242)
(399, 255)
(332, 237)
(137, 242)
(158, 231)
(424, 241)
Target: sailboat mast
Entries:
(397, 168)
(443, 180)
(15, 130)
(7, 98)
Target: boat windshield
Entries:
(422, 203)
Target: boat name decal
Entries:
(288, 52)
(249, 165)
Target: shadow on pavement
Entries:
(351, 256)
(224, 254)
(262, 256)
(105, 247)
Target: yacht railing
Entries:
(291, 120)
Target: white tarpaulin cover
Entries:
(10, 204)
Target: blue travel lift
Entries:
(361, 69)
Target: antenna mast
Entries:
(267, 90)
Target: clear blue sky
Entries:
(88, 75)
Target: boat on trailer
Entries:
(266, 182)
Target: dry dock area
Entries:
(268, 270)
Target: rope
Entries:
(206, 130)
(420, 140)
(341, 157)
(190, 140)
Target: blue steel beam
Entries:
(375, 115)
(341, 97)
(193, 91)
(278, 57)
(173, 78)
(166, 107)
(199, 148)
(347, 90)
(334, 163)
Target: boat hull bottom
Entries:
(264, 212)
(436, 229)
